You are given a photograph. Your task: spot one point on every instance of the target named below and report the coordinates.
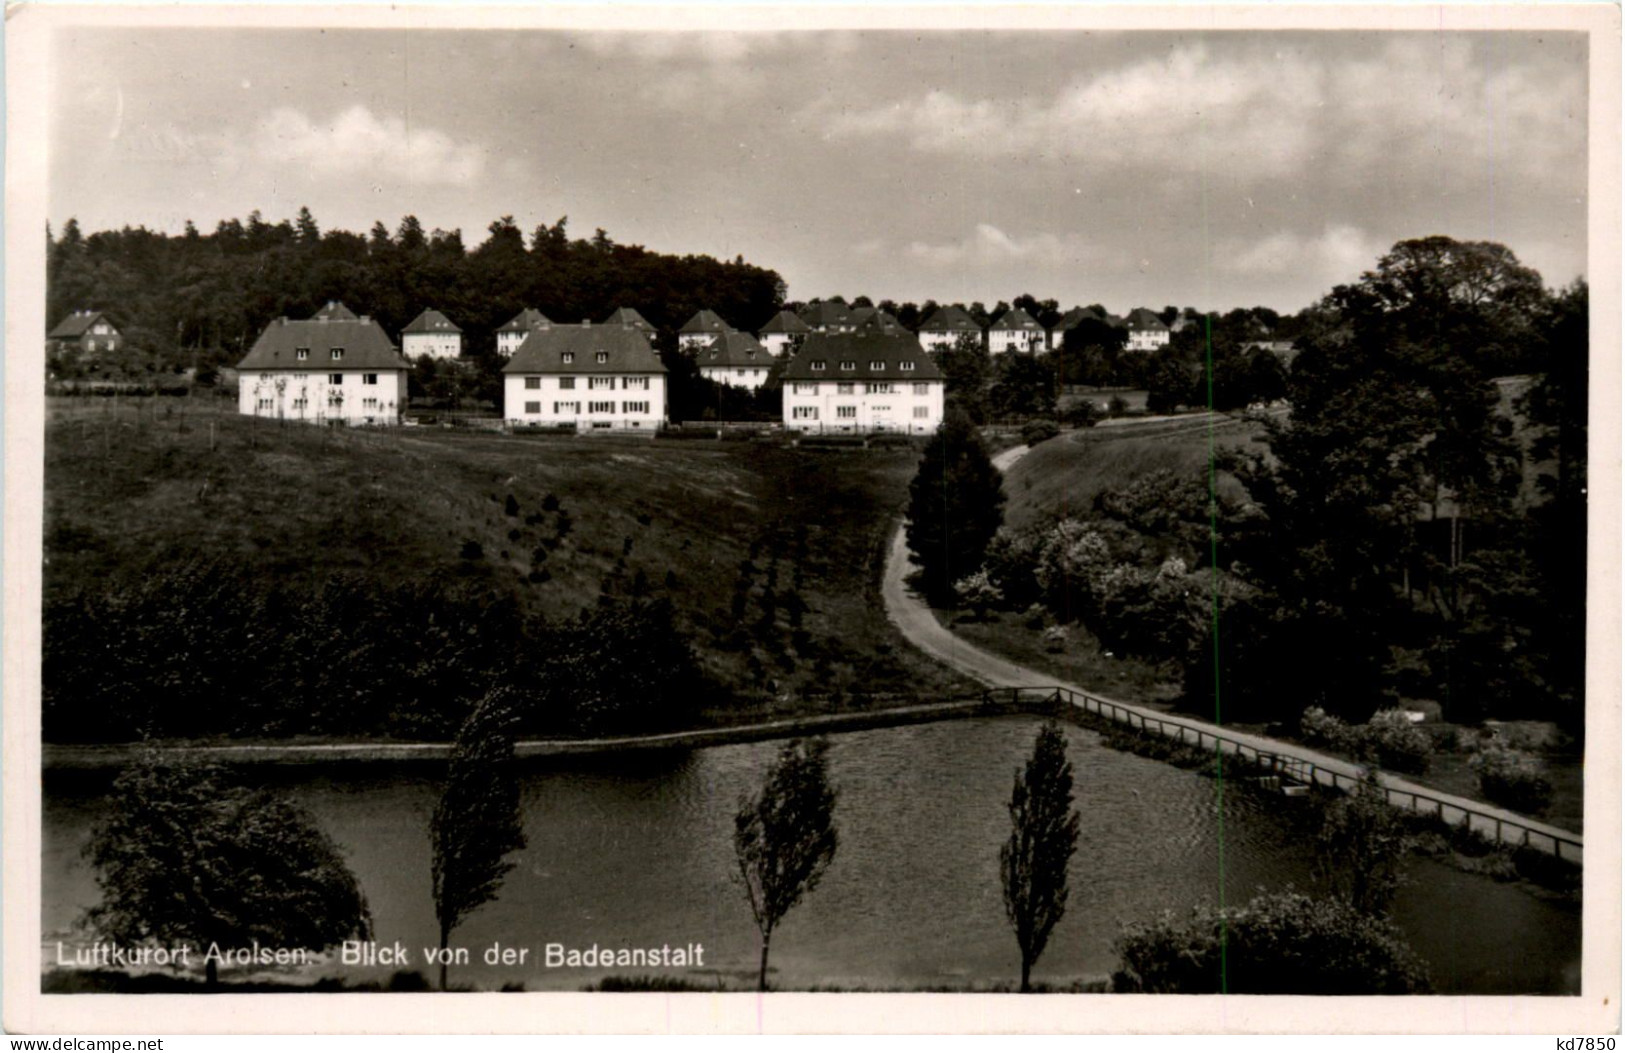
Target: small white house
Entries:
(1016, 331)
(597, 378)
(945, 326)
(866, 381)
(1146, 332)
(782, 332)
(510, 336)
(734, 358)
(431, 333)
(89, 331)
(322, 371)
(701, 331)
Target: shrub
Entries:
(1055, 639)
(1073, 556)
(979, 594)
(1082, 414)
(1397, 743)
(1037, 431)
(1284, 943)
(1322, 730)
(1511, 779)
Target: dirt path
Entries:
(913, 617)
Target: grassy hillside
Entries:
(1062, 476)
(769, 556)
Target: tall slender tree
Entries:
(1044, 834)
(785, 838)
(477, 823)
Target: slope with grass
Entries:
(769, 556)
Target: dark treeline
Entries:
(201, 299)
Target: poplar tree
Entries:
(1044, 834)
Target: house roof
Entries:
(705, 322)
(628, 316)
(880, 321)
(785, 322)
(76, 324)
(526, 320)
(365, 344)
(1077, 316)
(1144, 318)
(827, 351)
(825, 314)
(430, 321)
(733, 348)
(950, 320)
(624, 347)
(334, 312)
(1016, 318)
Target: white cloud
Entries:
(988, 246)
(1339, 253)
(356, 142)
(1249, 114)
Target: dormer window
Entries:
(818, 365)
(906, 367)
(877, 365)
(301, 353)
(602, 356)
(338, 353)
(849, 364)
(568, 356)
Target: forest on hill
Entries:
(197, 299)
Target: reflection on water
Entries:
(634, 850)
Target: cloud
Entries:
(356, 142)
(1339, 253)
(988, 246)
(1252, 113)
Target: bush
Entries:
(1397, 743)
(1082, 414)
(1055, 639)
(1037, 431)
(1284, 943)
(1321, 730)
(979, 594)
(1511, 779)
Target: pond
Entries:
(635, 850)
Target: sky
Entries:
(1127, 168)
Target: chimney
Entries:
(586, 323)
(282, 321)
(364, 319)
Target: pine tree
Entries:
(956, 505)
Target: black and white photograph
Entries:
(718, 505)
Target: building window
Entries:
(301, 353)
(907, 367)
(567, 383)
(599, 383)
(877, 366)
(533, 383)
(844, 388)
(922, 388)
(849, 364)
(805, 388)
(536, 407)
(568, 356)
(922, 412)
(817, 365)
(602, 356)
(300, 403)
(805, 413)
(335, 378)
(634, 407)
(338, 353)
(882, 409)
(741, 372)
(369, 404)
(567, 407)
(264, 404)
(369, 378)
(879, 389)
(846, 412)
(600, 407)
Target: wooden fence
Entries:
(1495, 827)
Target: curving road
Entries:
(913, 617)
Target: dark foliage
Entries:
(956, 503)
(1044, 834)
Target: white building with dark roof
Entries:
(828, 316)
(1146, 332)
(89, 331)
(782, 332)
(946, 326)
(323, 370)
(598, 378)
(701, 331)
(734, 358)
(511, 335)
(1016, 331)
(866, 381)
(431, 333)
